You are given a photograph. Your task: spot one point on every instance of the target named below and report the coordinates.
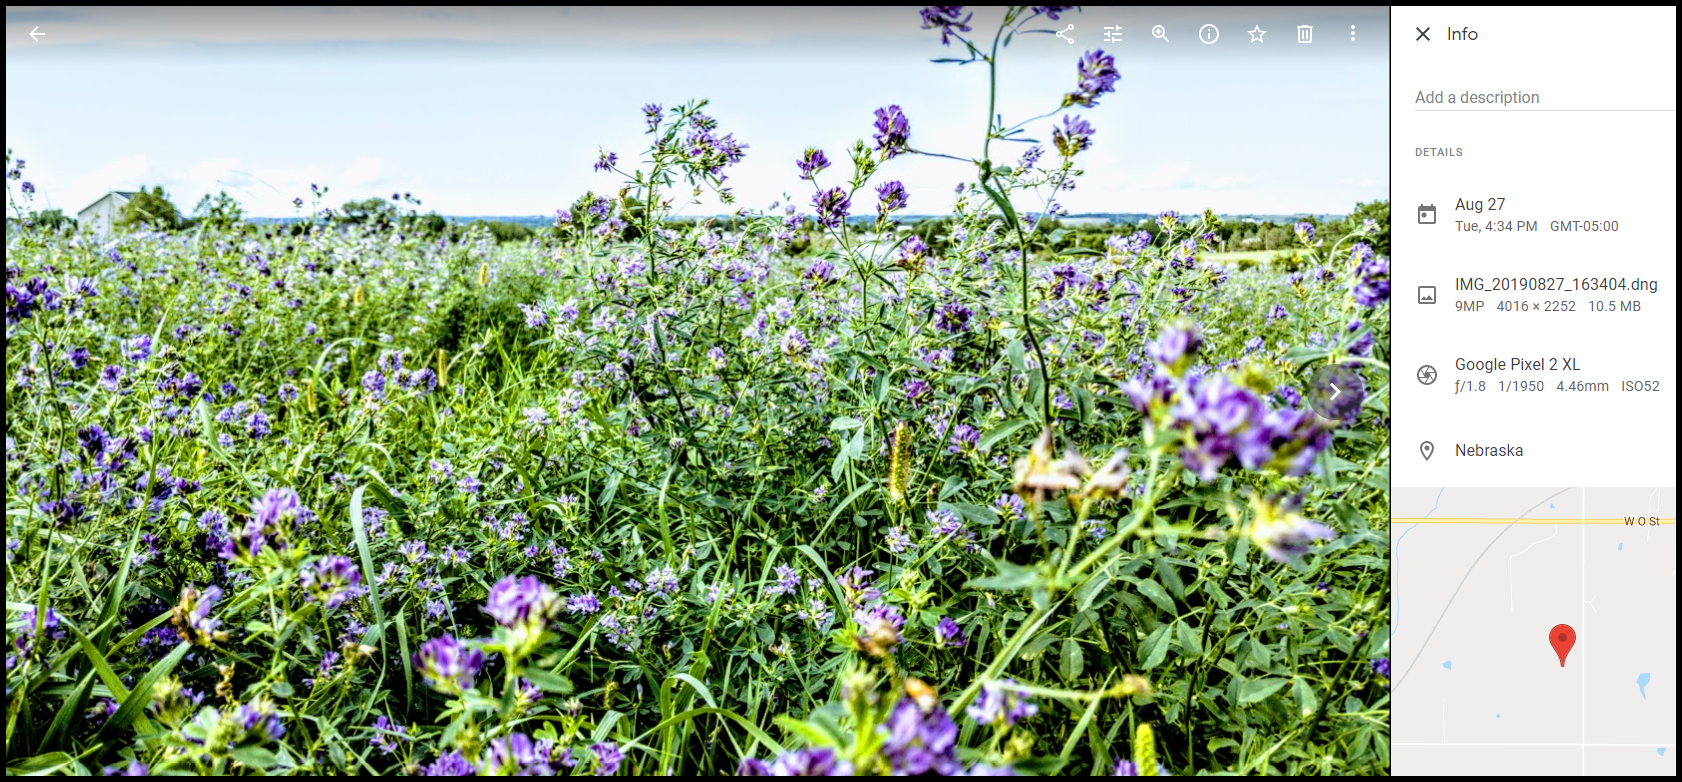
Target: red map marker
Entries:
(1563, 638)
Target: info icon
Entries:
(1427, 214)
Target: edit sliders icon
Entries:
(1427, 214)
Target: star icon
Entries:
(1256, 34)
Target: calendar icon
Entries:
(1427, 214)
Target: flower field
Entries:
(795, 490)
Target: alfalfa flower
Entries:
(448, 666)
(1039, 475)
(191, 617)
(1280, 531)
(1097, 77)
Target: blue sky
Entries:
(482, 111)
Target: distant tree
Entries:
(220, 210)
(373, 212)
(150, 209)
(52, 219)
(1378, 211)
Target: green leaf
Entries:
(68, 712)
(1018, 360)
(548, 681)
(1306, 700)
(1188, 638)
(1074, 251)
(41, 765)
(360, 529)
(1071, 662)
(843, 423)
(1008, 577)
(1155, 647)
(1007, 428)
(1155, 593)
(254, 757)
(1257, 690)
(141, 696)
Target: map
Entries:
(1533, 631)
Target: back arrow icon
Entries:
(36, 34)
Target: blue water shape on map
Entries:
(1661, 752)
(1642, 681)
(1620, 547)
(1449, 664)
(1497, 716)
(1550, 505)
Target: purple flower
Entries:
(1127, 768)
(111, 378)
(1362, 346)
(948, 634)
(1381, 667)
(608, 757)
(911, 251)
(752, 767)
(257, 426)
(811, 762)
(893, 131)
(1001, 701)
(832, 205)
(134, 768)
(891, 197)
(260, 721)
(880, 627)
(448, 666)
(583, 604)
(521, 601)
(1051, 11)
(1075, 136)
(1305, 231)
(606, 161)
(897, 540)
(964, 438)
(137, 349)
(651, 113)
(915, 389)
(535, 317)
(811, 162)
(332, 580)
(278, 507)
(1372, 278)
(1174, 347)
(374, 384)
(787, 581)
(383, 739)
(820, 270)
(919, 743)
(450, 764)
(953, 318)
(945, 17)
(516, 755)
(1097, 77)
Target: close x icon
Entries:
(1424, 34)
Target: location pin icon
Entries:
(1426, 448)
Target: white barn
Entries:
(100, 215)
